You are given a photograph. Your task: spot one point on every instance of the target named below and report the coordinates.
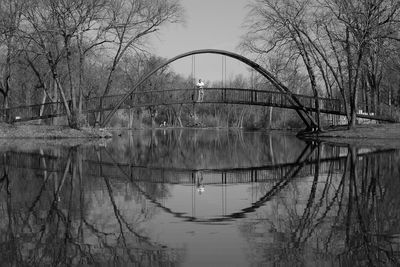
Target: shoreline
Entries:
(32, 136)
(373, 131)
(47, 132)
(377, 135)
(366, 135)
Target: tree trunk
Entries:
(5, 85)
(270, 117)
(131, 116)
(42, 107)
(7, 115)
(74, 119)
(179, 114)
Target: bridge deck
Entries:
(185, 96)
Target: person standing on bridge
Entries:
(200, 85)
(199, 181)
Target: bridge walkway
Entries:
(186, 96)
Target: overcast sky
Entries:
(213, 24)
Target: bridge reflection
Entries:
(76, 204)
(334, 161)
(272, 176)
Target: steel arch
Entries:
(303, 113)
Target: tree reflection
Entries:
(322, 205)
(51, 218)
(344, 216)
(204, 148)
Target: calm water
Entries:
(200, 198)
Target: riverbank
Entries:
(30, 131)
(382, 135)
(33, 136)
(367, 135)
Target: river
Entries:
(200, 198)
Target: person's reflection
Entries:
(199, 182)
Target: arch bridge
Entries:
(304, 105)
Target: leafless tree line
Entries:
(66, 51)
(56, 44)
(345, 48)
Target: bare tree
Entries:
(130, 21)
(54, 30)
(336, 39)
(10, 18)
(66, 33)
(277, 25)
(358, 29)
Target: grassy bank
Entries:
(25, 131)
(376, 135)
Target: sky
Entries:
(215, 24)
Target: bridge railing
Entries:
(212, 95)
(35, 111)
(225, 95)
(178, 96)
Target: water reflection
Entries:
(346, 216)
(52, 214)
(200, 197)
